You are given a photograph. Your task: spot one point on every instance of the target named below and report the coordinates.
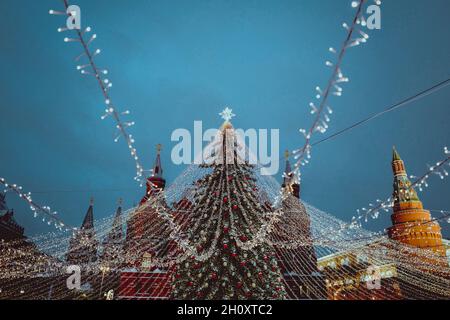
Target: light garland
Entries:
(91, 68)
(323, 111)
(46, 214)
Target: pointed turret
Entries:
(88, 222)
(114, 241)
(398, 167)
(304, 282)
(156, 182)
(403, 192)
(395, 155)
(83, 245)
(157, 168)
(412, 224)
(3, 205)
(116, 233)
(9, 228)
(290, 179)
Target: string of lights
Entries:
(90, 68)
(45, 213)
(323, 111)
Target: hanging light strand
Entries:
(91, 68)
(45, 213)
(323, 111)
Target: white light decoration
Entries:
(354, 37)
(104, 84)
(44, 212)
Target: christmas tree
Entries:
(227, 214)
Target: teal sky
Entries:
(173, 62)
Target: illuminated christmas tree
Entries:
(227, 212)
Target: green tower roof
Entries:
(395, 155)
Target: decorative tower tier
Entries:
(412, 224)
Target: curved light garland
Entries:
(91, 68)
(355, 37)
(47, 214)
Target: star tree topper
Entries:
(227, 114)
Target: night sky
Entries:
(173, 62)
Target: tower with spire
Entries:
(83, 245)
(147, 238)
(113, 243)
(299, 265)
(411, 224)
(156, 182)
(291, 183)
(143, 223)
(9, 228)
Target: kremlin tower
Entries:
(144, 227)
(156, 182)
(112, 254)
(83, 246)
(412, 224)
(290, 180)
(147, 238)
(298, 265)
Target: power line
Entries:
(398, 105)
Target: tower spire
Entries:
(115, 235)
(157, 168)
(83, 246)
(117, 224)
(3, 205)
(114, 241)
(395, 155)
(156, 182)
(88, 222)
(290, 179)
(398, 166)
